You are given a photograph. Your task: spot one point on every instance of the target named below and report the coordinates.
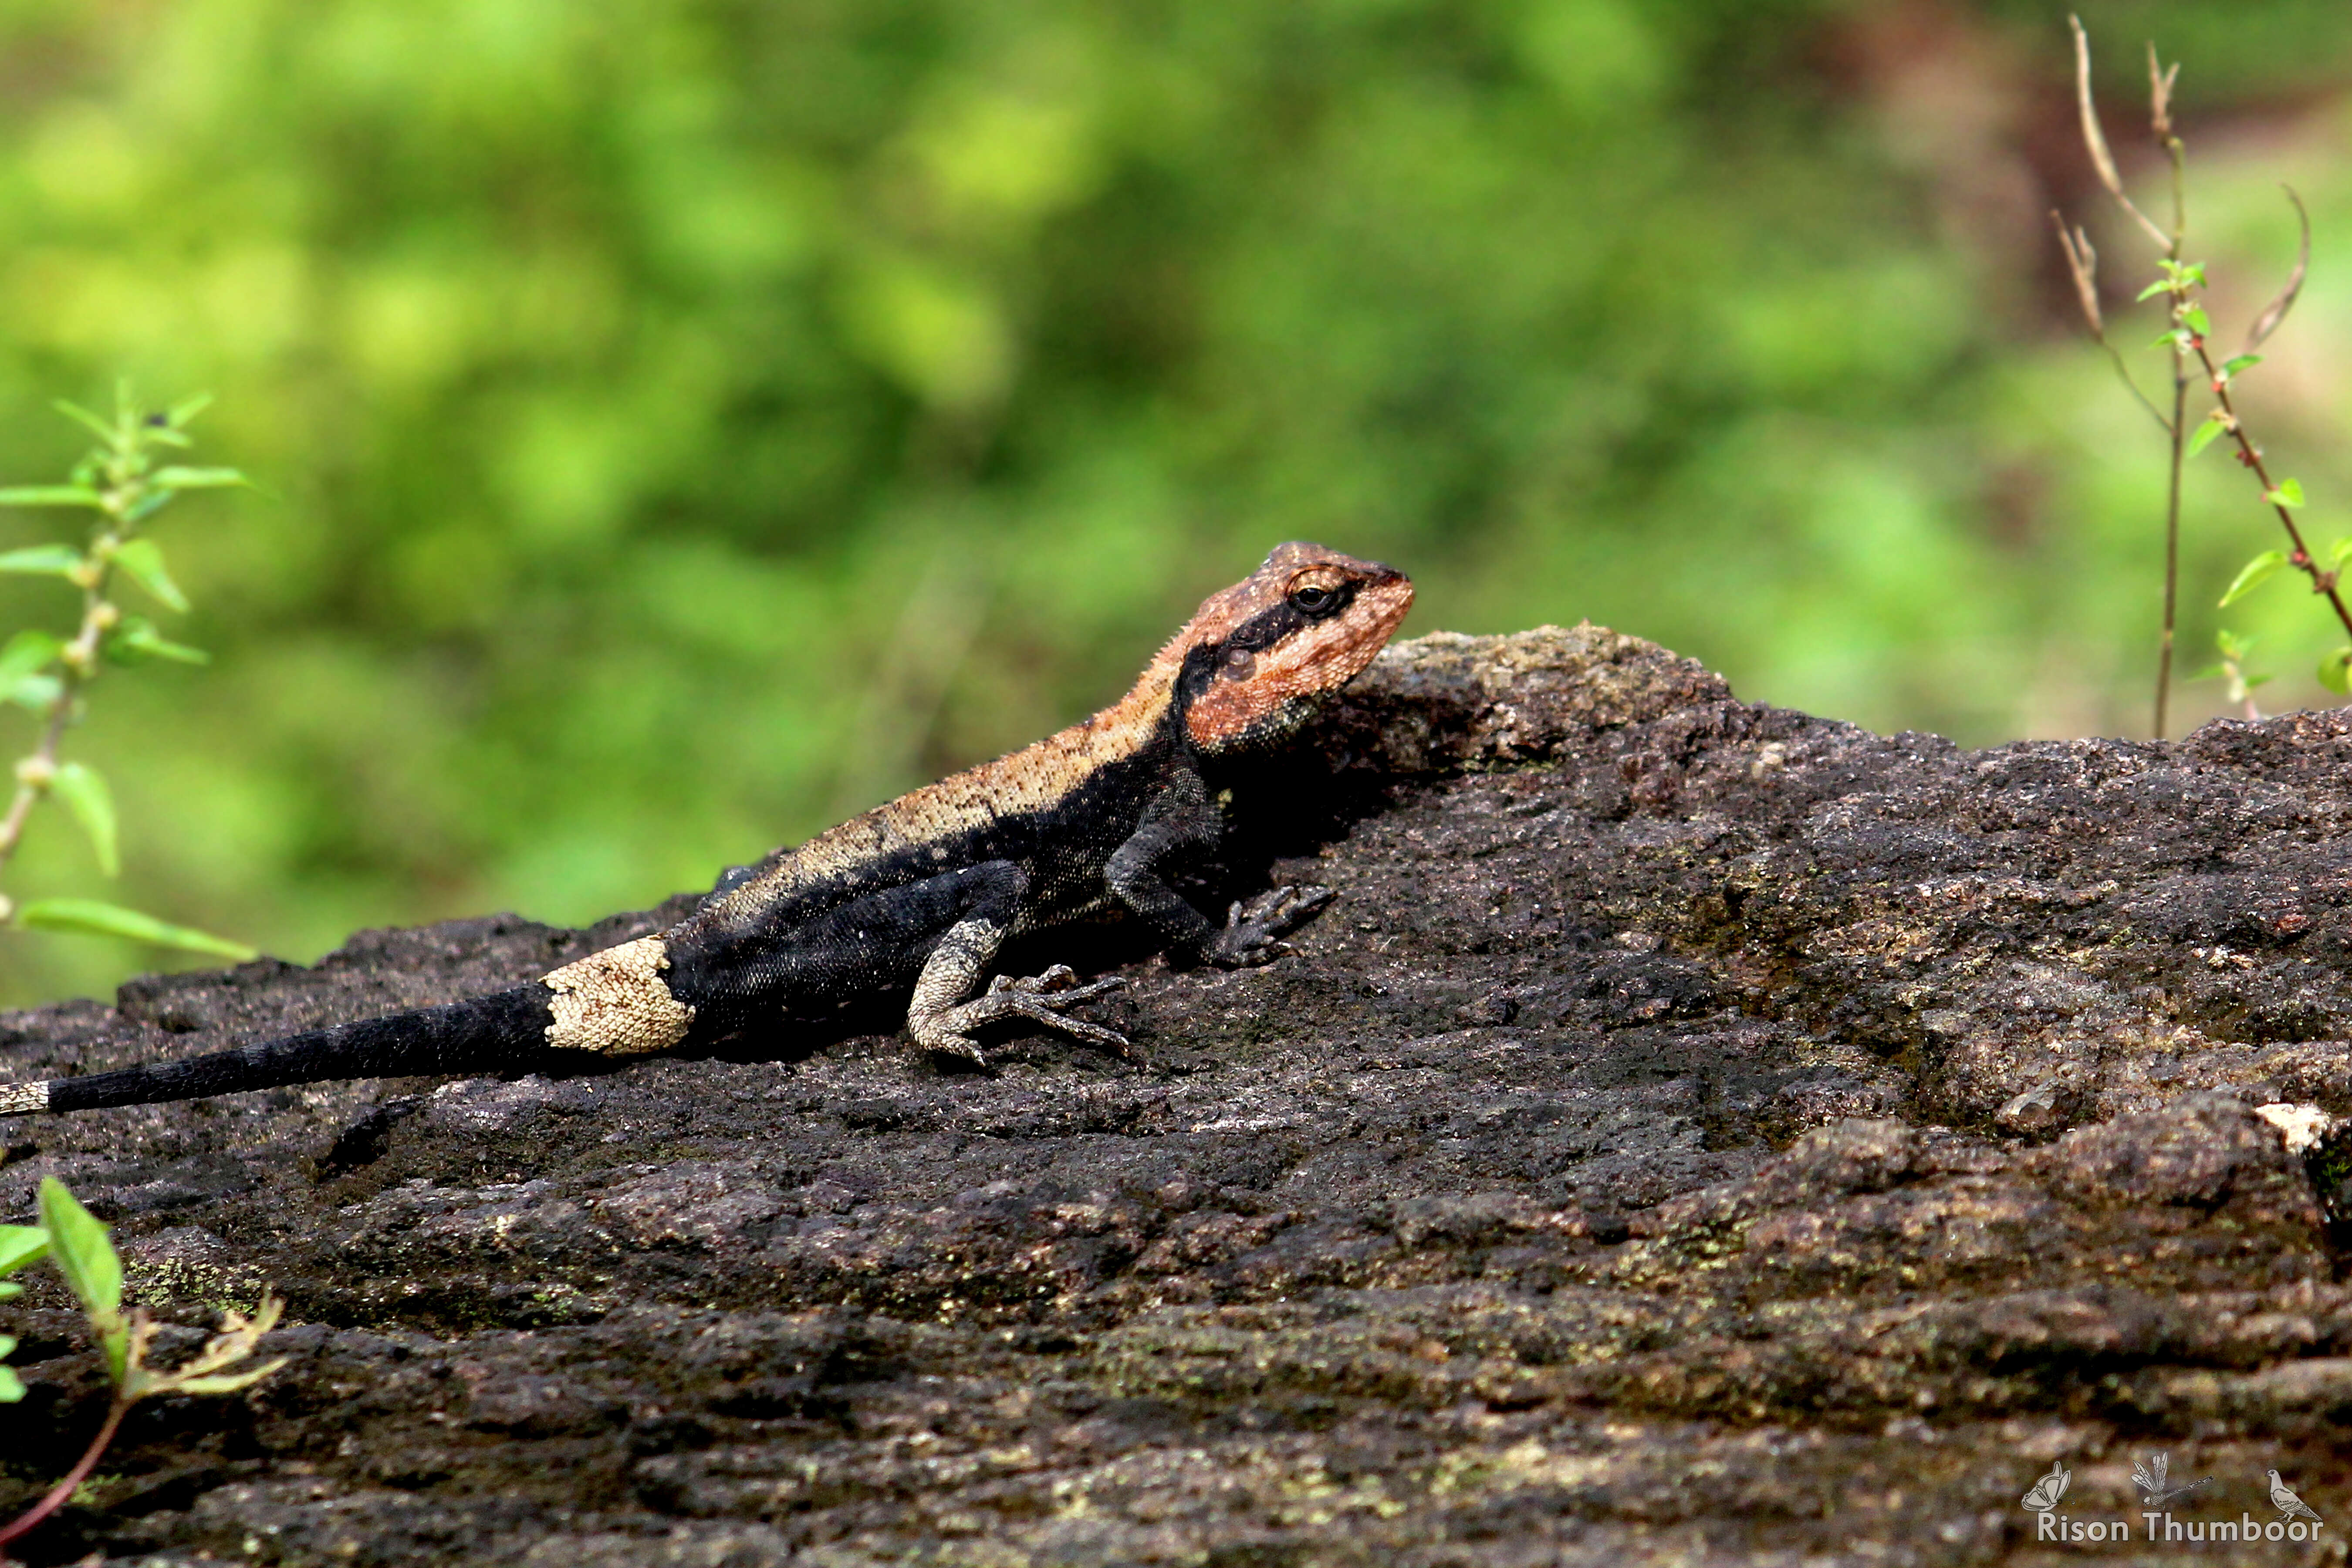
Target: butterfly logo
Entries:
(2044, 1493)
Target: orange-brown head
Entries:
(1258, 655)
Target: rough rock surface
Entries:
(1699, 1132)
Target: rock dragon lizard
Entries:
(920, 892)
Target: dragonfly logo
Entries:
(2153, 1476)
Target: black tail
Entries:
(505, 1029)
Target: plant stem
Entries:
(79, 660)
(2322, 582)
(2177, 154)
(2171, 546)
(59, 1494)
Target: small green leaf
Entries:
(179, 478)
(2162, 285)
(87, 1258)
(2254, 575)
(20, 1245)
(149, 505)
(2194, 273)
(84, 791)
(48, 495)
(12, 1387)
(2193, 317)
(42, 561)
(2289, 493)
(136, 638)
(26, 652)
(2242, 363)
(88, 916)
(143, 559)
(2174, 339)
(2233, 645)
(2332, 671)
(2215, 423)
(2254, 680)
(84, 417)
(187, 408)
(2211, 672)
(36, 692)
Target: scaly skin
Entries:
(916, 896)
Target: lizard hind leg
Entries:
(942, 1020)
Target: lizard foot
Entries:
(1253, 930)
(1039, 998)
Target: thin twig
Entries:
(2172, 545)
(2159, 96)
(2097, 139)
(2276, 311)
(60, 1494)
(2083, 265)
(2082, 261)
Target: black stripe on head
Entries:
(1263, 630)
(1238, 651)
(1295, 614)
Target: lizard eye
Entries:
(1312, 601)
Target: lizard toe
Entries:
(957, 1046)
(1060, 983)
(1254, 928)
(1041, 999)
(1287, 907)
(1047, 1010)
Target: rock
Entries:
(1697, 1130)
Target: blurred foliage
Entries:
(690, 421)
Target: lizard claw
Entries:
(1039, 998)
(1061, 983)
(1254, 929)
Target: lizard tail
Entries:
(504, 1029)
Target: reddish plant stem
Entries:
(2249, 454)
(64, 1490)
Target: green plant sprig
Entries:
(122, 480)
(74, 1241)
(2188, 337)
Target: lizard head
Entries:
(1259, 656)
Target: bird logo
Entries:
(2153, 1479)
(2290, 1506)
(2044, 1494)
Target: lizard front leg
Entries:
(941, 1017)
(1180, 818)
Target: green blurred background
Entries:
(686, 422)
